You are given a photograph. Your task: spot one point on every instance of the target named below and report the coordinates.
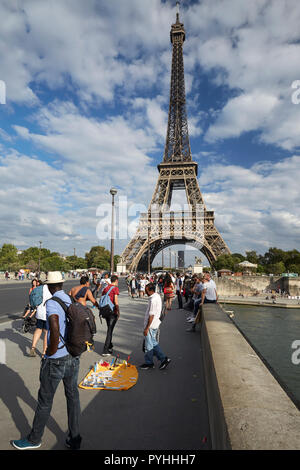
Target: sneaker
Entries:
(191, 330)
(32, 352)
(191, 320)
(23, 444)
(147, 366)
(165, 363)
(105, 354)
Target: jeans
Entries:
(52, 371)
(152, 347)
(197, 303)
(111, 322)
(179, 297)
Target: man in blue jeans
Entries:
(57, 365)
(151, 325)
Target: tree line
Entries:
(274, 261)
(33, 258)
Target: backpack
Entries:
(106, 307)
(80, 327)
(36, 296)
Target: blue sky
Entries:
(87, 90)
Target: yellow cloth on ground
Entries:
(120, 377)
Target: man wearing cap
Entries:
(57, 365)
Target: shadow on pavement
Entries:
(13, 389)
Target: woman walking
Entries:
(168, 291)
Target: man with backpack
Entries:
(57, 365)
(111, 292)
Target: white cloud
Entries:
(254, 51)
(257, 207)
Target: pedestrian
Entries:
(112, 319)
(28, 309)
(82, 293)
(209, 292)
(57, 365)
(142, 285)
(197, 293)
(179, 284)
(41, 324)
(186, 287)
(160, 284)
(133, 287)
(128, 279)
(105, 281)
(151, 326)
(168, 291)
(95, 285)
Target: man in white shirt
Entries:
(209, 292)
(104, 282)
(151, 326)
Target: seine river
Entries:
(271, 332)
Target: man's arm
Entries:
(150, 319)
(116, 302)
(91, 298)
(54, 335)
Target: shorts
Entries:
(41, 324)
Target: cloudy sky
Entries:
(87, 90)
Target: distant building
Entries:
(180, 259)
(198, 266)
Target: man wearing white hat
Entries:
(57, 365)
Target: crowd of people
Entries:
(191, 291)
(58, 365)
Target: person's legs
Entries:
(196, 306)
(152, 347)
(179, 297)
(148, 349)
(111, 322)
(36, 336)
(70, 381)
(51, 373)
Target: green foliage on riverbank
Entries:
(274, 261)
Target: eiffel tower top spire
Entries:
(177, 148)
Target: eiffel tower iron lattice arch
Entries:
(161, 228)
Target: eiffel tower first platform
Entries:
(193, 224)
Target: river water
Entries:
(271, 332)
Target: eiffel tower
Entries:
(160, 227)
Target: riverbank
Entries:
(260, 301)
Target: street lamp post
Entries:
(149, 229)
(113, 192)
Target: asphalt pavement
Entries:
(165, 410)
(14, 297)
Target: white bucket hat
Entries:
(54, 277)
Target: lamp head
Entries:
(113, 191)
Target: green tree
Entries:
(275, 268)
(8, 256)
(52, 263)
(98, 257)
(252, 257)
(228, 261)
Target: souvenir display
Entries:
(117, 375)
